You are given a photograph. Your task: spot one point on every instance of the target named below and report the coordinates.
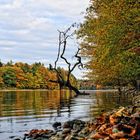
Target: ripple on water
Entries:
(25, 110)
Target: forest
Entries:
(110, 42)
(108, 50)
(29, 76)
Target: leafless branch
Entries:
(63, 37)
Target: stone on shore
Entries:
(119, 124)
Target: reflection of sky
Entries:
(28, 28)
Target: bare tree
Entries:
(63, 38)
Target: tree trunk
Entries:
(73, 88)
(63, 37)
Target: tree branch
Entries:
(63, 37)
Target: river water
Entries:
(21, 111)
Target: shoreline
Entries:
(36, 134)
(121, 123)
(89, 91)
(24, 89)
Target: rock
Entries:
(46, 135)
(78, 125)
(15, 137)
(57, 125)
(119, 123)
(68, 124)
(66, 130)
(70, 137)
(58, 136)
(84, 132)
(11, 137)
(74, 124)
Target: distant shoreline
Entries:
(103, 90)
(25, 89)
(89, 91)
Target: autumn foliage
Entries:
(25, 76)
(110, 40)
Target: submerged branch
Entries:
(63, 37)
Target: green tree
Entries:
(26, 68)
(10, 63)
(1, 79)
(1, 64)
(9, 77)
(110, 38)
(22, 75)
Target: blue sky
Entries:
(28, 29)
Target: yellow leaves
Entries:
(114, 31)
(33, 76)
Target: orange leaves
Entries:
(22, 75)
(113, 33)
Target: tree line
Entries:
(30, 76)
(110, 40)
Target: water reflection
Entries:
(21, 111)
(107, 100)
(23, 103)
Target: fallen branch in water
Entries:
(63, 38)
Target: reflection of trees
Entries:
(21, 103)
(106, 101)
(65, 101)
(7, 99)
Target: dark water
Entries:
(21, 111)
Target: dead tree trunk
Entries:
(63, 37)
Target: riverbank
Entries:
(82, 91)
(24, 89)
(120, 124)
(50, 107)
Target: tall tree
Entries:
(110, 38)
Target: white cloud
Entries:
(65, 7)
(29, 27)
(7, 43)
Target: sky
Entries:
(28, 29)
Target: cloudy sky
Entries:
(28, 28)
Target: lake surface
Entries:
(21, 111)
